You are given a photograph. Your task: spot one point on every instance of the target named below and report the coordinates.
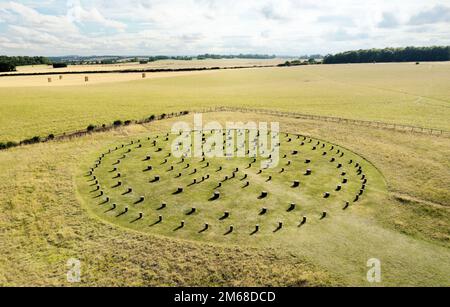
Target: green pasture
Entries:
(396, 93)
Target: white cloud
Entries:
(220, 26)
(76, 13)
(389, 21)
(437, 14)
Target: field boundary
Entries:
(366, 123)
(127, 71)
(92, 129)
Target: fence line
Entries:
(373, 124)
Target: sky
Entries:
(191, 27)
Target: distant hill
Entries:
(106, 59)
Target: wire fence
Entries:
(104, 128)
(373, 124)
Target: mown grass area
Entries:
(161, 64)
(45, 221)
(397, 93)
(123, 186)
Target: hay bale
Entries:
(324, 215)
(338, 188)
(263, 211)
(347, 204)
(296, 184)
(326, 195)
(291, 207)
(308, 172)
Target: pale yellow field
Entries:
(164, 64)
(79, 79)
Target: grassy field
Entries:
(163, 64)
(396, 93)
(404, 221)
(79, 79)
(331, 167)
(50, 212)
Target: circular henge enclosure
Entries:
(142, 185)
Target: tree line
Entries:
(10, 63)
(408, 54)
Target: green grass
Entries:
(49, 215)
(396, 93)
(241, 202)
(406, 226)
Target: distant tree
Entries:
(10, 63)
(7, 67)
(408, 54)
(59, 65)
